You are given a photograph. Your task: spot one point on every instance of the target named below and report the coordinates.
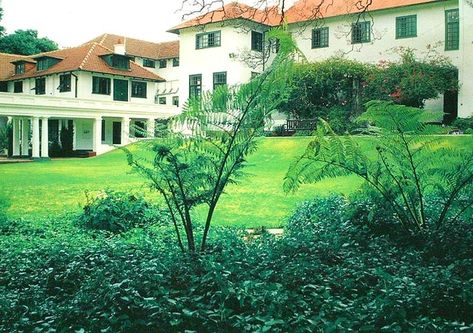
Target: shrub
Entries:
(118, 212)
(463, 124)
(329, 272)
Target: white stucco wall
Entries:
(383, 45)
(84, 87)
(231, 57)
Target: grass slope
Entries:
(58, 186)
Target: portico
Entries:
(97, 126)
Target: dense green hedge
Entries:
(330, 272)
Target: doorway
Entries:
(117, 133)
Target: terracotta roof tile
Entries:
(235, 10)
(140, 48)
(305, 10)
(7, 69)
(302, 10)
(86, 57)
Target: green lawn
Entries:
(58, 186)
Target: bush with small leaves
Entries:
(118, 212)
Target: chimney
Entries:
(119, 48)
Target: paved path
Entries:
(5, 160)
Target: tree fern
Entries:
(409, 165)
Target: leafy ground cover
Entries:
(58, 186)
(330, 272)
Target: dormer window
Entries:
(43, 63)
(117, 61)
(120, 62)
(20, 68)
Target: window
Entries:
(20, 68)
(3, 86)
(162, 100)
(149, 63)
(220, 79)
(320, 38)
(120, 62)
(208, 39)
(163, 63)
(406, 26)
(175, 62)
(360, 32)
(40, 86)
(195, 85)
(101, 85)
(138, 89)
(256, 41)
(18, 87)
(42, 64)
(64, 82)
(175, 101)
(452, 30)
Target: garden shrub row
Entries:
(332, 271)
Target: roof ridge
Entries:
(104, 36)
(86, 58)
(15, 55)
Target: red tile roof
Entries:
(305, 10)
(302, 10)
(7, 69)
(235, 10)
(86, 57)
(140, 48)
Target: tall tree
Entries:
(26, 42)
(2, 29)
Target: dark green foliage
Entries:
(4, 141)
(412, 81)
(336, 89)
(464, 124)
(333, 86)
(329, 273)
(26, 42)
(2, 29)
(119, 212)
(408, 166)
(4, 205)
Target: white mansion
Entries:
(102, 87)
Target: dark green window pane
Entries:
(220, 79)
(195, 85)
(65, 83)
(209, 39)
(452, 29)
(406, 26)
(257, 41)
(361, 32)
(320, 37)
(138, 89)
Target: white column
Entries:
(125, 130)
(97, 137)
(16, 136)
(150, 127)
(25, 137)
(35, 137)
(44, 138)
(74, 133)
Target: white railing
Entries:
(21, 104)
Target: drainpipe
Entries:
(77, 79)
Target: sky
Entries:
(73, 22)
